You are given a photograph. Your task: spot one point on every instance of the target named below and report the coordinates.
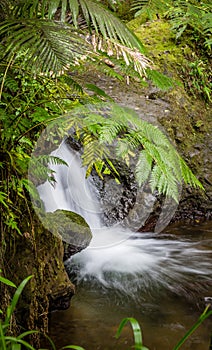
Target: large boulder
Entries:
(73, 229)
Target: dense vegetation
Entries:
(43, 45)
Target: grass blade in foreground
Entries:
(15, 299)
(136, 331)
(202, 317)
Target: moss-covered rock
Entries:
(39, 253)
(188, 121)
(181, 111)
(72, 228)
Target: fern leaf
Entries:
(143, 167)
(109, 131)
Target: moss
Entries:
(73, 229)
(39, 254)
(160, 41)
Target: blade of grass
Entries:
(50, 341)
(7, 282)
(16, 346)
(202, 317)
(136, 332)
(15, 299)
(2, 339)
(16, 340)
(22, 335)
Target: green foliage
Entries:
(95, 16)
(150, 8)
(101, 127)
(27, 103)
(160, 80)
(190, 17)
(6, 281)
(8, 342)
(138, 342)
(49, 38)
(198, 79)
(44, 45)
(193, 17)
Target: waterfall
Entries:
(117, 257)
(71, 190)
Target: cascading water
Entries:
(117, 257)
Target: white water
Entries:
(117, 257)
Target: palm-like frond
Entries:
(37, 28)
(4, 9)
(47, 46)
(96, 16)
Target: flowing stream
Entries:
(161, 279)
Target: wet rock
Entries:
(116, 199)
(72, 228)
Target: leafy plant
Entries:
(197, 80)
(98, 127)
(50, 46)
(150, 8)
(8, 342)
(193, 16)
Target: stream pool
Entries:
(163, 314)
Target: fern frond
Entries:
(150, 7)
(109, 131)
(123, 149)
(5, 9)
(41, 167)
(158, 163)
(143, 167)
(188, 175)
(195, 15)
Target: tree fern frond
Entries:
(143, 167)
(158, 161)
(110, 130)
(188, 175)
(123, 148)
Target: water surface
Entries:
(165, 314)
